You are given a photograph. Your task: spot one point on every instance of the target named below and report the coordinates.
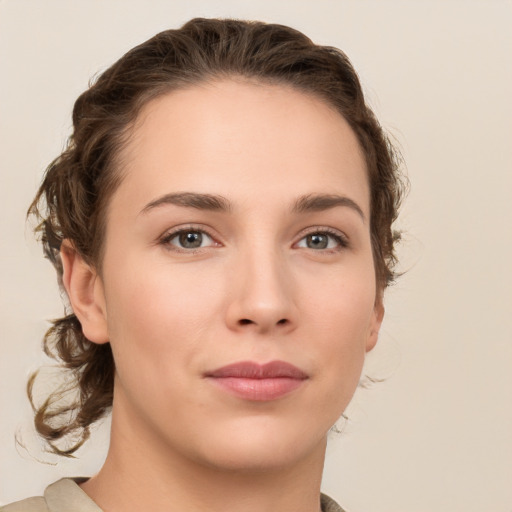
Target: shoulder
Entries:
(62, 496)
(36, 504)
(329, 505)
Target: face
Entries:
(238, 286)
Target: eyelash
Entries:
(340, 239)
(166, 239)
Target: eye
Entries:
(188, 239)
(322, 240)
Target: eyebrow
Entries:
(212, 202)
(320, 202)
(191, 200)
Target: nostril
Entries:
(247, 321)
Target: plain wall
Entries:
(437, 434)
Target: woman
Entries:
(221, 222)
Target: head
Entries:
(210, 61)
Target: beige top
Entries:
(66, 496)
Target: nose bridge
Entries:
(263, 289)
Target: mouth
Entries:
(251, 381)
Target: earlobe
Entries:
(85, 292)
(376, 322)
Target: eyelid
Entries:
(338, 235)
(164, 239)
(173, 232)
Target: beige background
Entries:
(437, 435)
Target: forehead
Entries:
(244, 140)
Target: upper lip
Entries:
(253, 370)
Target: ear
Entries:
(375, 323)
(85, 291)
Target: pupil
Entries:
(317, 241)
(191, 239)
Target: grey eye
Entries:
(190, 239)
(317, 241)
(321, 240)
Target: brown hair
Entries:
(72, 200)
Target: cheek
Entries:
(158, 315)
(340, 319)
(341, 304)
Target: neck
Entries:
(140, 475)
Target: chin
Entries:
(262, 447)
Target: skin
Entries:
(257, 289)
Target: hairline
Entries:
(117, 169)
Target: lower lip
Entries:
(259, 390)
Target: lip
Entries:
(256, 382)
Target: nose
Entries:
(261, 295)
